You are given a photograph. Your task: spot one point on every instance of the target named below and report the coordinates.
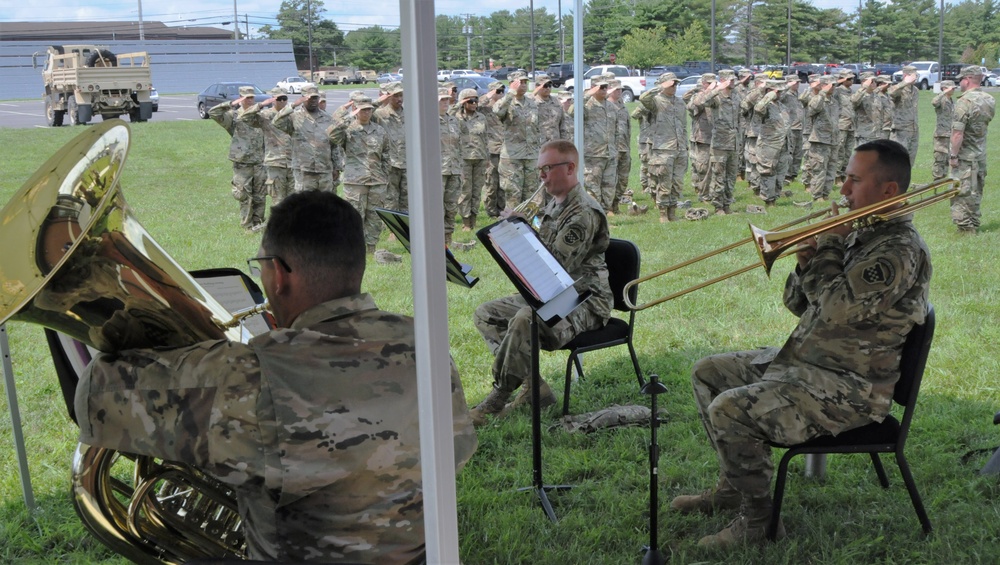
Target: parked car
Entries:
(678, 70)
(154, 97)
(294, 85)
(928, 74)
(775, 71)
(388, 77)
(463, 73)
(223, 92)
(480, 83)
(632, 87)
(857, 69)
(886, 68)
(502, 72)
(443, 75)
(687, 84)
(806, 69)
(561, 72)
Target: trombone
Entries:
(782, 240)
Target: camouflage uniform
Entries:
(312, 161)
(905, 129)
(822, 141)
(856, 300)
(475, 159)
(944, 109)
(277, 158)
(868, 115)
(667, 146)
(451, 168)
(701, 137)
(576, 232)
(493, 198)
(795, 115)
(519, 152)
(394, 124)
(772, 140)
(804, 97)
(623, 142)
(599, 149)
(642, 115)
(725, 106)
(752, 129)
(365, 177)
(314, 426)
(246, 151)
(887, 108)
(551, 120)
(973, 113)
(845, 126)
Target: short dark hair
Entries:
(319, 234)
(893, 161)
(564, 147)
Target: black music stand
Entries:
(399, 224)
(531, 267)
(653, 556)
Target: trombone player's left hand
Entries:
(807, 249)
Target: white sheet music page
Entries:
(535, 265)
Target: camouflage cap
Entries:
(726, 74)
(517, 75)
(444, 93)
(947, 84)
(608, 75)
(599, 80)
(362, 102)
(827, 79)
(449, 85)
(776, 84)
(273, 92)
(708, 77)
(310, 91)
(467, 93)
(883, 79)
(815, 77)
(970, 71)
(845, 73)
(542, 78)
(792, 79)
(866, 75)
(495, 85)
(357, 95)
(666, 77)
(745, 73)
(909, 70)
(394, 87)
(614, 84)
(247, 91)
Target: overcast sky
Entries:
(348, 14)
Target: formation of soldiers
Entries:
(768, 132)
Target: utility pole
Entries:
(142, 35)
(531, 5)
(246, 20)
(309, 25)
(788, 37)
(562, 36)
(467, 31)
(236, 23)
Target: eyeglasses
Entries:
(547, 85)
(603, 87)
(472, 101)
(500, 90)
(546, 169)
(282, 99)
(255, 270)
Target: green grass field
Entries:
(177, 181)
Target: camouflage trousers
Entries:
(644, 167)
(365, 198)
(473, 179)
(725, 166)
(942, 150)
(493, 199)
(750, 161)
(772, 162)
(505, 324)
(280, 183)
(452, 190)
(795, 151)
(844, 151)
(666, 176)
(518, 179)
(965, 207)
(250, 191)
(623, 168)
(742, 414)
(599, 180)
(308, 180)
(822, 169)
(701, 174)
(805, 174)
(398, 195)
(910, 139)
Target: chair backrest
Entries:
(911, 370)
(622, 257)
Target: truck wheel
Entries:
(202, 111)
(110, 60)
(923, 84)
(627, 96)
(53, 117)
(72, 111)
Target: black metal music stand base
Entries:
(543, 497)
(653, 388)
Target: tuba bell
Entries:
(78, 262)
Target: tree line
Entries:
(643, 33)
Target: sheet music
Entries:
(232, 293)
(533, 264)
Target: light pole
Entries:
(309, 33)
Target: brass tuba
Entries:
(78, 262)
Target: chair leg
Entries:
(569, 375)
(911, 488)
(883, 479)
(635, 365)
(779, 495)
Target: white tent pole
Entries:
(578, 81)
(430, 299)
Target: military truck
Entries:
(83, 81)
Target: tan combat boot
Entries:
(492, 404)
(546, 398)
(469, 224)
(720, 497)
(749, 527)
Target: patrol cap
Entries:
(844, 73)
(708, 77)
(495, 85)
(362, 102)
(598, 81)
(273, 92)
(357, 96)
(911, 70)
(467, 93)
(776, 84)
(449, 85)
(970, 71)
(866, 75)
(814, 77)
(394, 87)
(614, 84)
(310, 91)
(517, 75)
(608, 75)
(827, 79)
(725, 74)
(444, 93)
(883, 79)
(247, 91)
(666, 77)
(947, 84)
(745, 73)
(542, 79)
(792, 79)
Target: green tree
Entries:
(374, 48)
(689, 45)
(294, 21)
(644, 48)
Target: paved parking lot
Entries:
(31, 113)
